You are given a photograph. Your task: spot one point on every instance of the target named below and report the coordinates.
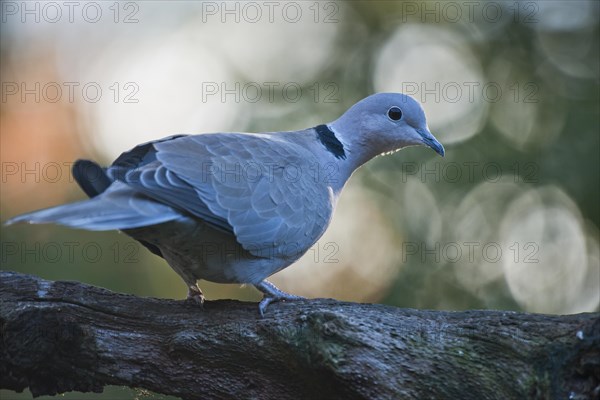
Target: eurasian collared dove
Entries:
(238, 207)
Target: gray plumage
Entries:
(238, 207)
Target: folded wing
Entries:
(261, 189)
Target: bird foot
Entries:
(272, 295)
(195, 295)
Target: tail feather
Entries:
(91, 177)
(119, 207)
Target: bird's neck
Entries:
(344, 155)
(356, 152)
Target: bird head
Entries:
(385, 122)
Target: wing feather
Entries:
(207, 175)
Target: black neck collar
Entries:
(330, 141)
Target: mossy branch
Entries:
(68, 336)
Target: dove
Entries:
(238, 207)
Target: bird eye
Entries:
(395, 113)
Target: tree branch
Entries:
(68, 336)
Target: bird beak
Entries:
(431, 141)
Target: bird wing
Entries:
(159, 183)
(137, 157)
(259, 187)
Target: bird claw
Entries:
(195, 295)
(272, 295)
(264, 303)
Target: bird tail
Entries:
(91, 177)
(118, 207)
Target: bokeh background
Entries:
(507, 220)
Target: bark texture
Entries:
(68, 336)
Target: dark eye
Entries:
(395, 113)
